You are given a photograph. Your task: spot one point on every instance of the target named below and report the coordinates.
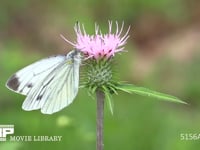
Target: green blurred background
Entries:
(163, 55)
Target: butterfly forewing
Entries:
(22, 81)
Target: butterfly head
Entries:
(75, 55)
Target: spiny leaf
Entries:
(109, 99)
(147, 92)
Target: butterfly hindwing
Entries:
(64, 93)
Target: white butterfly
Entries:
(49, 84)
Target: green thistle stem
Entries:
(100, 109)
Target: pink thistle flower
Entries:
(99, 45)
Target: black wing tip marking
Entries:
(13, 83)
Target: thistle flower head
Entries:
(100, 45)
